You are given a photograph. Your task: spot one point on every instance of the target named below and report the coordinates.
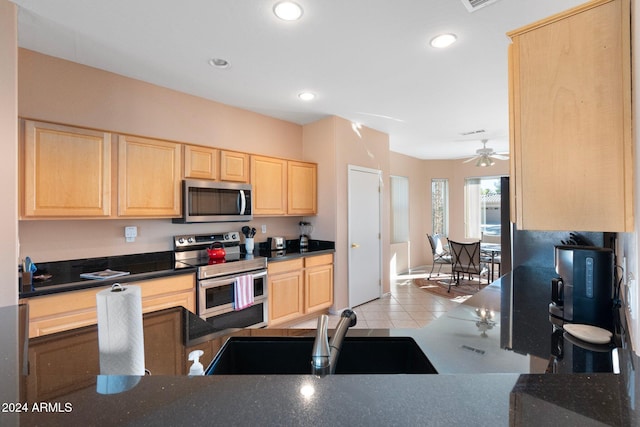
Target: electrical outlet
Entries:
(130, 234)
(264, 228)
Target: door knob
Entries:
(355, 245)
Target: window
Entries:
(481, 207)
(440, 206)
(399, 209)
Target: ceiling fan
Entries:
(485, 156)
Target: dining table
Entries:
(491, 250)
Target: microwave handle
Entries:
(242, 202)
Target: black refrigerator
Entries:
(529, 256)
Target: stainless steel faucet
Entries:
(324, 355)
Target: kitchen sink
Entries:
(292, 355)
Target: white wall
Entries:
(417, 251)
(9, 260)
(334, 143)
(52, 89)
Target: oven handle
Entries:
(221, 281)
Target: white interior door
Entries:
(365, 271)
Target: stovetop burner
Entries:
(205, 261)
(191, 251)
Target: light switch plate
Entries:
(130, 233)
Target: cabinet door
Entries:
(571, 121)
(285, 297)
(269, 180)
(200, 162)
(149, 174)
(163, 343)
(66, 171)
(234, 166)
(318, 288)
(302, 188)
(62, 364)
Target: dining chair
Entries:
(465, 260)
(440, 254)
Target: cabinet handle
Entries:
(355, 245)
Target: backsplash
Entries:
(48, 241)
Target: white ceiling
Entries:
(368, 61)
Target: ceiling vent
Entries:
(473, 5)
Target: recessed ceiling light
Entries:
(219, 63)
(443, 40)
(288, 10)
(307, 96)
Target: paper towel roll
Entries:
(120, 332)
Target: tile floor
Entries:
(405, 307)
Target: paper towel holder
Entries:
(117, 287)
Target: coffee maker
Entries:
(305, 231)
(584, 291)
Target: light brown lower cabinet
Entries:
(70, 361)
(299, 287)
(49, 314)
(318, 283)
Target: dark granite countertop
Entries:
(488, 376)
(65, 275)
(293, 251)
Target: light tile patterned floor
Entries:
(405, 307)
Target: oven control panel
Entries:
(205, 240)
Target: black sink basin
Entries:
(292, 355)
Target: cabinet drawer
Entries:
(186, 299)
(283, 266)
(64, 322)
(165, 285)
(65, 302)
(312, 261)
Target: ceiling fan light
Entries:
(307, 96)
(485, 161)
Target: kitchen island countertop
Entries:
(473, 388)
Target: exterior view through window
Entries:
(440, 206)
(482, 207)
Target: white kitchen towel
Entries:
(243, 288)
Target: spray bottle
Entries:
(196, 367)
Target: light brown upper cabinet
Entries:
(283, 187)
(149, 177)
(66, 171)
(200, 162)
(302, 195)
(570, 118)
(234, 166)
(269, 180)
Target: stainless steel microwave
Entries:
(214, 201)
